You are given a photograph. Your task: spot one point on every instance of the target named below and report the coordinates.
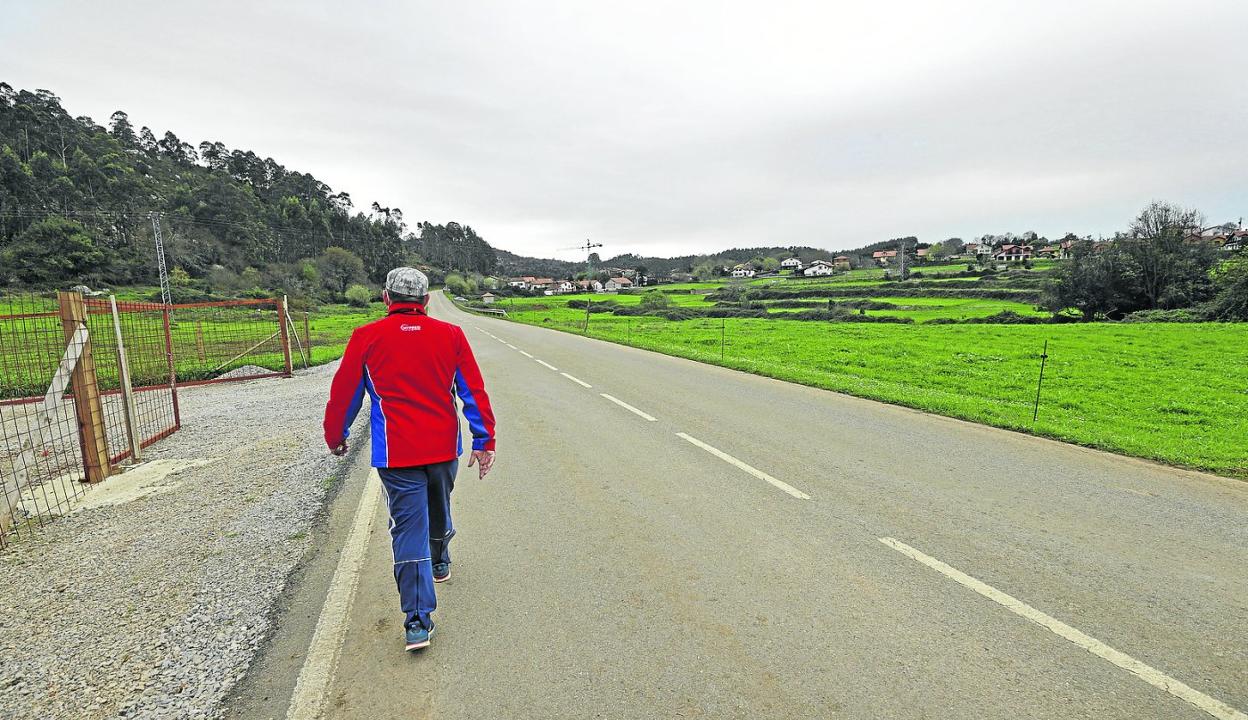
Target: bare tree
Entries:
(1157, 245)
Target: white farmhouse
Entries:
(819, 268)
(791, 264)
(743, 271)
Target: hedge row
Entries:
(894, 291)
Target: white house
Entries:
(488, 298)
(740, 271)
(1009, 253)
(791, 264)
(589, 286)
(819, 268)
(563, 286)
(618, 283)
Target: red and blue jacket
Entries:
(412, 367)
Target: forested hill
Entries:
(75, 198)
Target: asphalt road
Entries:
(735, 546)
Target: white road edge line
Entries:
(527, 355)
(312, 687)
(582, 383)
(1148, 674)
(749, 469)
(543, 362)
(630, 408)
(513, 347)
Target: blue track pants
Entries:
(419, 502)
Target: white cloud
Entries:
(668, 128)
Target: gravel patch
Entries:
(244, 371)
(155, 608)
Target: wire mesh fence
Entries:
(41, 462)
(87, 383)
(230, 340)
(141, 330)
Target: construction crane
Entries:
(588, 247)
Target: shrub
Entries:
(358, 296)
(1007, 317)
(1181, 315)
(841, 316)
(1231, 302)
(594, 307)
(655, 300)
(925, 288)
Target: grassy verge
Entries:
(1173, 393)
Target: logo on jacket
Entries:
(409, 328)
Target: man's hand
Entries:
(483, 459)
(340, 449)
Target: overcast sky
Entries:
(672, 127)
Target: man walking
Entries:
(412, 367)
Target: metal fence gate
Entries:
(87, 383)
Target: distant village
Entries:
(989, 250)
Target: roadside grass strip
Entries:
(630, 408)
(748, 468)
(1147, 673)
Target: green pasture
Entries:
(922, 309)
(1173, 393)
(206, 342)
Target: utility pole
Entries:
(903, 267)
(160, 259)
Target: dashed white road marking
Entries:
(1148, 674)
(527, 355)
(312, 686)
(546, 364)
(748, 468)
(513, 347)
(582, 383)
(630, 408)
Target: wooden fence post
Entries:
(87, 404)
(281, 321)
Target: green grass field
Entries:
(919, 309)
(1173, 393)
(205, 342)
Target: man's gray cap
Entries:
(407, 281)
